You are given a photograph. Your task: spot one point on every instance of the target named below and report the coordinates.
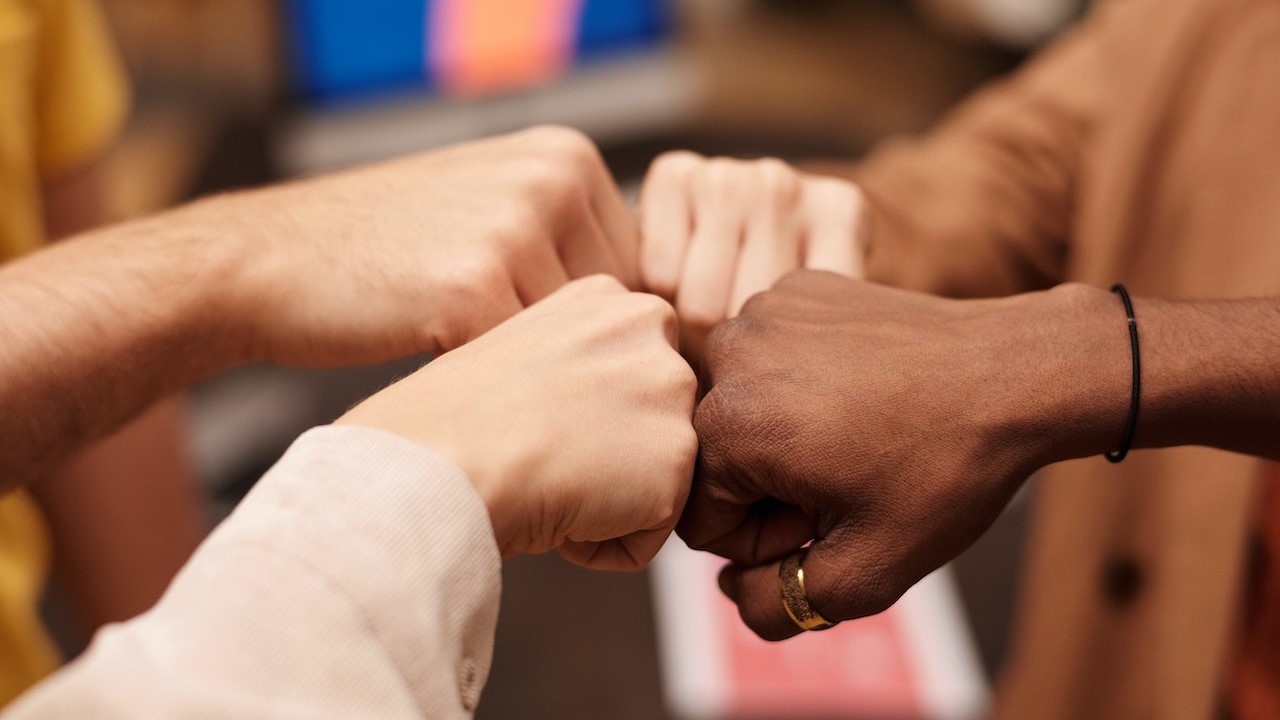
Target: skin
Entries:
(718, 230)
(418, 255)
(890, 428)
(572, 419)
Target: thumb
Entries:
(840, 584)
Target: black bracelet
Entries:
(1132, 425)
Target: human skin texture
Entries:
(716, 231)
(572, 419)
(890, 428)
(417, 255)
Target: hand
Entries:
(888, 427)
(717, 231)
(572, 419)
(421, 254)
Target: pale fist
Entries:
(572, 419)
(424, 253)
(717, 231)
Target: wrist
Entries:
(1065, 361)
(178, 275)
(449, 439)
(234, 272)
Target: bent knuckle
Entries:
(599, 284)
(721, 175)
(556, 183)
(724, 340)
(675, 165)
(762, 303)
(562, 139)
(778, 182)
(479, 278)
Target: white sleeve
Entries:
(359, 579)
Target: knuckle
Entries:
(778, 181)
(556, 182)
(563, 139)
(793, 283)
(654, 308)
(600, 284)
(711, 416)
(515, 228)
(683, 378)
(675, 164)
(762, 303)
(722, 175)
(479, 277)
(724, 340)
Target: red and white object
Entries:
(915, 661)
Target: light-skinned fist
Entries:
(572, 419)
(716, 231)
(420, 254)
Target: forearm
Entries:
(1209, 373)
(98, 328)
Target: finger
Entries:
(537, 272)
(665, 221)
(586, 287)
(840, 584)
(494, 309)
(728, 511)
(771, 249)
(835, 216)
(748, 534)
(585, 250)
(621, 231)
(629, 553)
(719, 223)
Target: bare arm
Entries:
(98, 329)
(905, 422)
(417, 255)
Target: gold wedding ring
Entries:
(794, 598)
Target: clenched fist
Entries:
(572, 419)
(718, 230)
(416, 255)
(889, 428)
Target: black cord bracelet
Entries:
(1132, 425)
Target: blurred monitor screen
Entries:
(343, 50)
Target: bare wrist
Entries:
(1064, 355)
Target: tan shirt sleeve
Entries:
(359, 579)
(983, 204)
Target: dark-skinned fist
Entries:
(887, 427)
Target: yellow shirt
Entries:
(63, 97)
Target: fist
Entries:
(572, 419)
(424, 253)
(717, 231)
(888, 428)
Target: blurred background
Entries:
(235, 93)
